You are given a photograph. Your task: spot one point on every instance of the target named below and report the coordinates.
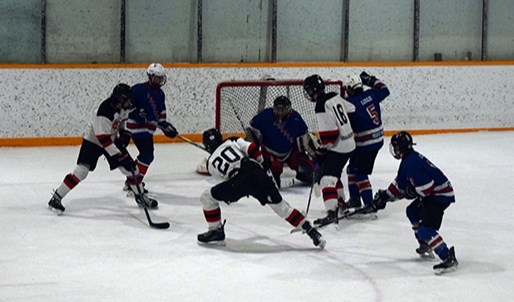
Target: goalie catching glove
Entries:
(168, 129)
(308, 143)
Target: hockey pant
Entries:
(360, 166)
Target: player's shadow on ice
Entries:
(115, 209)
(257, 245)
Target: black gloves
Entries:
(122, 139)
(168, 129)
(125, 161)
(410, 193)
(367, 79)
(380, 200)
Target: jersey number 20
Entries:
(223, 161)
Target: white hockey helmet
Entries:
(353, 85)
(156, 75)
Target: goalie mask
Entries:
(122, 95)
(156, 75)
(211, 139)
(353, 86)
(313, 85)
(401, 144)
(281, 108)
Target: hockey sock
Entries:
(364, 187)
(72, 180)
(434, 240)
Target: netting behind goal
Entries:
(237, 102)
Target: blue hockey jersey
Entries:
(429, 181)
(279, 138)
(150, 103)
(366, 121)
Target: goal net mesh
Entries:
(237, 102)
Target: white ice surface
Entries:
(102, 248)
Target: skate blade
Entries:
(322, 244)
(427, 256)
(212, 243)
(56, 211)
(441, 271)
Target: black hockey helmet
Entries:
(313, 84)
(121, 94)
(211, 139)
(401, 144)
(281, 108)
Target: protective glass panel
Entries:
(161, 31)
(381, 31)
(236, 31)
(20, 31)
(452, 28)
(309, 31)
(500, 30)
(83, 31)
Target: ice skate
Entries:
(127, 188)
(213, 237)
(143, 201)
(316, 237)
(354, 202)
(424, 251)
(449, 264)
(55, 204)
(330, 218)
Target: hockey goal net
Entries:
(237, 102)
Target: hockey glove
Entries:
(125, 161)
(319, 156)
(141, 117)
(122, 139)
(367, 79)
(168, 129)
(380, 200)
(410, 193)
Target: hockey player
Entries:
(99, 140)
(421, 180)
(281, 133)
(238, 163)
(150, 114)
(337, 143)
(369, 134)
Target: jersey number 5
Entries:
(373, 114)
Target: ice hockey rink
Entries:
(102, 248)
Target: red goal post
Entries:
(238, 101)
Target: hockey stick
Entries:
(346, 214)
(157, 225)
(187, 140)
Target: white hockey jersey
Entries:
(104, 125)
(334, 127)
(226, 159)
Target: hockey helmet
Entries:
(353, 85)
(156, 74)
(281, 108)
(401, 144)
(211, 139)
(312, 85)
(122, 95)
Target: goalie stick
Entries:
(157, 225)
(346, 214)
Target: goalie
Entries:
(284, 139)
